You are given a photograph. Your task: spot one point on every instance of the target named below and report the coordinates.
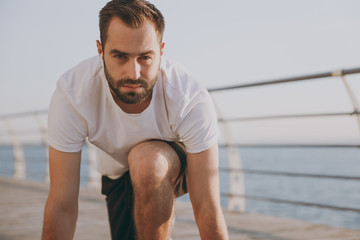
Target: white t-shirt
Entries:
(82, 106)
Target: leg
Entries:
(119, 201)
(154, 168)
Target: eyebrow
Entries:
(116, 51)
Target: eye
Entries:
(120, 56)
(145, 57)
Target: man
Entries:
(154, 127)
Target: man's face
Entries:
(131, 60)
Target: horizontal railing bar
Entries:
(260, 83)
(280, 145)
(22, 114)
(289, 116)
(348, 71)
(23, 132)
(299, 203)
(29, 172)
(261, 145)
(34, 159)
(261, 172)
(38, 131)
(291, 79)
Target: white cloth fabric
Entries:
(82, 106)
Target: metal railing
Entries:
(236, 194)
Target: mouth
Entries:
(131, 87)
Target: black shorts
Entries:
(119, 198)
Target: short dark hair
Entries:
(131, 12)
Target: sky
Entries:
(222, 42)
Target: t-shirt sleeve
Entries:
(198, 128)
(67, 129)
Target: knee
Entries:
(149, 164)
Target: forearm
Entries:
(211, 223)
(203, 182)
(59, 222)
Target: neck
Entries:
(132, 108)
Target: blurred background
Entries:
(223, 43)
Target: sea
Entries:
(322, 161)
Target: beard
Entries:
(130, 97)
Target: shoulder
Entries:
(183, 94)
(80, 75)
(180, 82)
(80, 86)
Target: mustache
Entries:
(142, 82)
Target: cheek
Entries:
(113, 69)
(152, 71)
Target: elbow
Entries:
(59, 219)
(207, 211)
(57, 204)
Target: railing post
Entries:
(94, 175)
(236, 178)
(19, 159)
(43, 133)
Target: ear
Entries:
(99, 47)
(162, 49)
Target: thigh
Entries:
(119, 192)
(119, 201)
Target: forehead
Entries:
(126, 38)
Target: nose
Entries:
(133, 69)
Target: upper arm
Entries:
(64, 176)
(197, 124)
(203, 177)
(67, 128)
